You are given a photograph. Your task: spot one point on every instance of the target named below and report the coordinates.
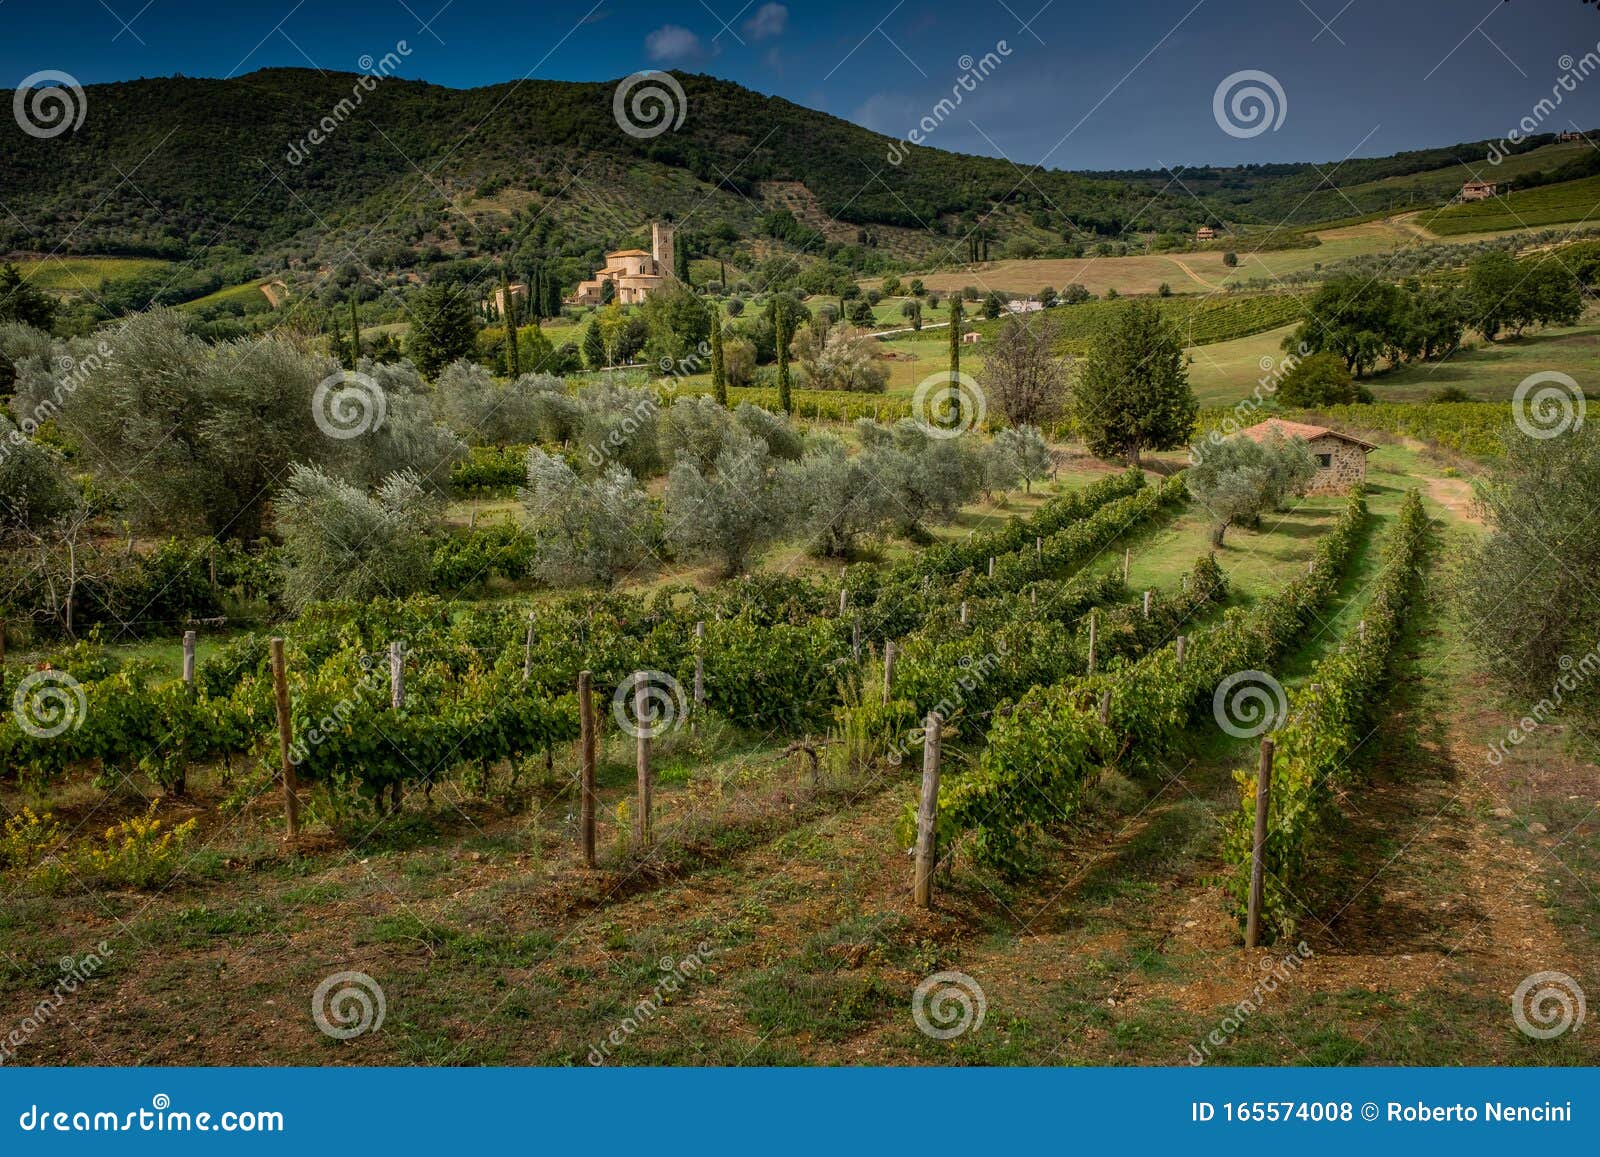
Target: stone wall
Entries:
(1347, 465)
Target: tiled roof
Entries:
(1286, 429)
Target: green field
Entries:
(248, 293)
(84, 274)
(1569, 201)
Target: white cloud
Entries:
(769, 20)
(672, 42)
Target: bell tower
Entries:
(661, 246)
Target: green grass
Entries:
(248, 293)
(1491, 371)
(1545, 205)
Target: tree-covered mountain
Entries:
(174, 167)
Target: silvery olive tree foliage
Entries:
(189, 436)
(840, 357)
(484, 411)
(1526, 587)
(1026, 445)
(588, 530)
(775, 429)
(839, 499)
(340, 542)
(34, 486)
(620, 425)
(727, 513)
(694, 430)
(1237, 480)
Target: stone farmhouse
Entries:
(633, 273)
(1341, 458)
(1479, 190)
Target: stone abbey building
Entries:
(633, 273)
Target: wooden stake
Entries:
(888, 670)
(1147, 604)
(280, 689)
(991, 566)
(188, 661)
(1038, 547)
(397, 675)
(699, 670)
(1361, 629)
(1258, 852)
(1105, 707)
(527, 651)
(963, 614)
(586, 741)
(1091, 640)
(1183, 643)
(641, 705)
(1033, 597)
(1127, 559)
(844, 599)
(928, 812)
(855, 640)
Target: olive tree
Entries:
(340, 542)
(586, 530)
(1238, 479)
(730, 512)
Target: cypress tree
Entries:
(955, 360)
(719, 370)
(513, 355)
(355, 332)
(780, 334)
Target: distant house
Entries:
(519, 292)
(1024, 305)
(971, 337)
(1479, 190)
(1341, 458)
(1205, 233)
(1568, 137)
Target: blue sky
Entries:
(1086, 84)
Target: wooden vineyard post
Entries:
(888, 670)
(963, 614)
(699, 671)
(641, 710)
(527, 651)
(1105, 707)
(1258, 851)
(844, 600)
(1147, 604)
(855, 640)
(280, 689)
(1038, 547)
(397, 675)
(188, 662)
(1091, 641)
(1033, 597)
(586, 746)
(1183, 645)
(1361, 629)
(1127, 559)
(928, 811)
(991, 566)
(2, 642)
